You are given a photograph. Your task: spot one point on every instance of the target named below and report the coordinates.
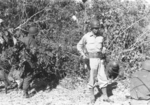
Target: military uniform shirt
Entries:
(90, 43)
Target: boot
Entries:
(25, 94)
(105, 95)
(92, 95)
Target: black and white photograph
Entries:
(74, 52)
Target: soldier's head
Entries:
(113, 69)
(33, 31)
(95, 25)
(146, 65)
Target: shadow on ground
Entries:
(46, 82)
(43, 84)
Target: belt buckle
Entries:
(96, 55)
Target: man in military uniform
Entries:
(90, 47)
(30, 59)
(112, 70)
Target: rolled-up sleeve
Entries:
(81, 45)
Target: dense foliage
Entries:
(124, 22)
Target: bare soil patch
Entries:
(65, 94)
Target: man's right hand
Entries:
(84, 56)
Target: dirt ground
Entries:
(66, 94)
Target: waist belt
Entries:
(95, 55)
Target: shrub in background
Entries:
(125, 33)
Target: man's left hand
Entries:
(104, 50)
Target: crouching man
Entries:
(90, 47)
(112, 71)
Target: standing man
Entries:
(90, 46)
(30, 59)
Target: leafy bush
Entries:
(124, 22)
